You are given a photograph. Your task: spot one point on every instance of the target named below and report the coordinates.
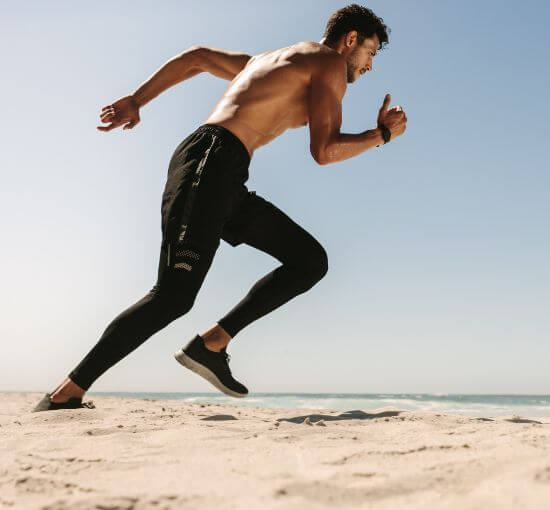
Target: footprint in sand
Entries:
(30, 484)
(163, 502)
(105, 432)
(543, 475)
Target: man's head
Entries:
(357, 34)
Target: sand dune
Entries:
(131, 454)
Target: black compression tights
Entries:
(303, 263)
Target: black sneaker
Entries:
(211, 365)
(73, 403)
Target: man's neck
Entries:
(331, 46)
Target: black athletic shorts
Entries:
(205, 198)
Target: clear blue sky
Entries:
(438, 243)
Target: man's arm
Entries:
(126, 109)
(327, 144)
(195, 60)
(177, 69)
(191, 62)
(222, 63)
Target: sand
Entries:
(168, 454)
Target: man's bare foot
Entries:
(65, 391)
(216, 338)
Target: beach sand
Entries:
(168, 454)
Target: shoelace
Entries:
(227, 358)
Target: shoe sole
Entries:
(206, 373)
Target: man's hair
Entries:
(356, 17)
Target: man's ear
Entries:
(351, 37)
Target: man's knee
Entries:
(182, 306)
(321, 263)
(175, 304)
(316, 267)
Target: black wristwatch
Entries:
(386, 133)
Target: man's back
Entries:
(270, 94)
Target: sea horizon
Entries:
(471, 404)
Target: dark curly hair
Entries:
(356, 17)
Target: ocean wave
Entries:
(467, 404)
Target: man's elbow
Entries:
(193, 54)
(322, 152)
(192, 49)
(318, 156)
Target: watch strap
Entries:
(386, 133)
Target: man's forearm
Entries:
(174, 71)
(346, 146)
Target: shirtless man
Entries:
(205, 198)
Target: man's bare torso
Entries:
(270, 94)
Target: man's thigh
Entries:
(182, 268)
(259, 223)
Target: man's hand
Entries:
(123, 111)
(394, 118)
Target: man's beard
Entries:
(352, 66)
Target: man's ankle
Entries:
(60, 397)
(67, 390)
(214, 345)
(216, 338)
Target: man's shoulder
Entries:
(319, 57)
(323, 55)
(308, 50)
(317, 50)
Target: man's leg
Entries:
(195, 203)
(215, 338)
(259, 223)
(172, 296)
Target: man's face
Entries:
(360, 57)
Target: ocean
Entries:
(467, 404)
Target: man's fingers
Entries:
(107, 128)
(130, 124)
(384, 108)
(386, 102)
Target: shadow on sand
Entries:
(219, 417)
(348, 415)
